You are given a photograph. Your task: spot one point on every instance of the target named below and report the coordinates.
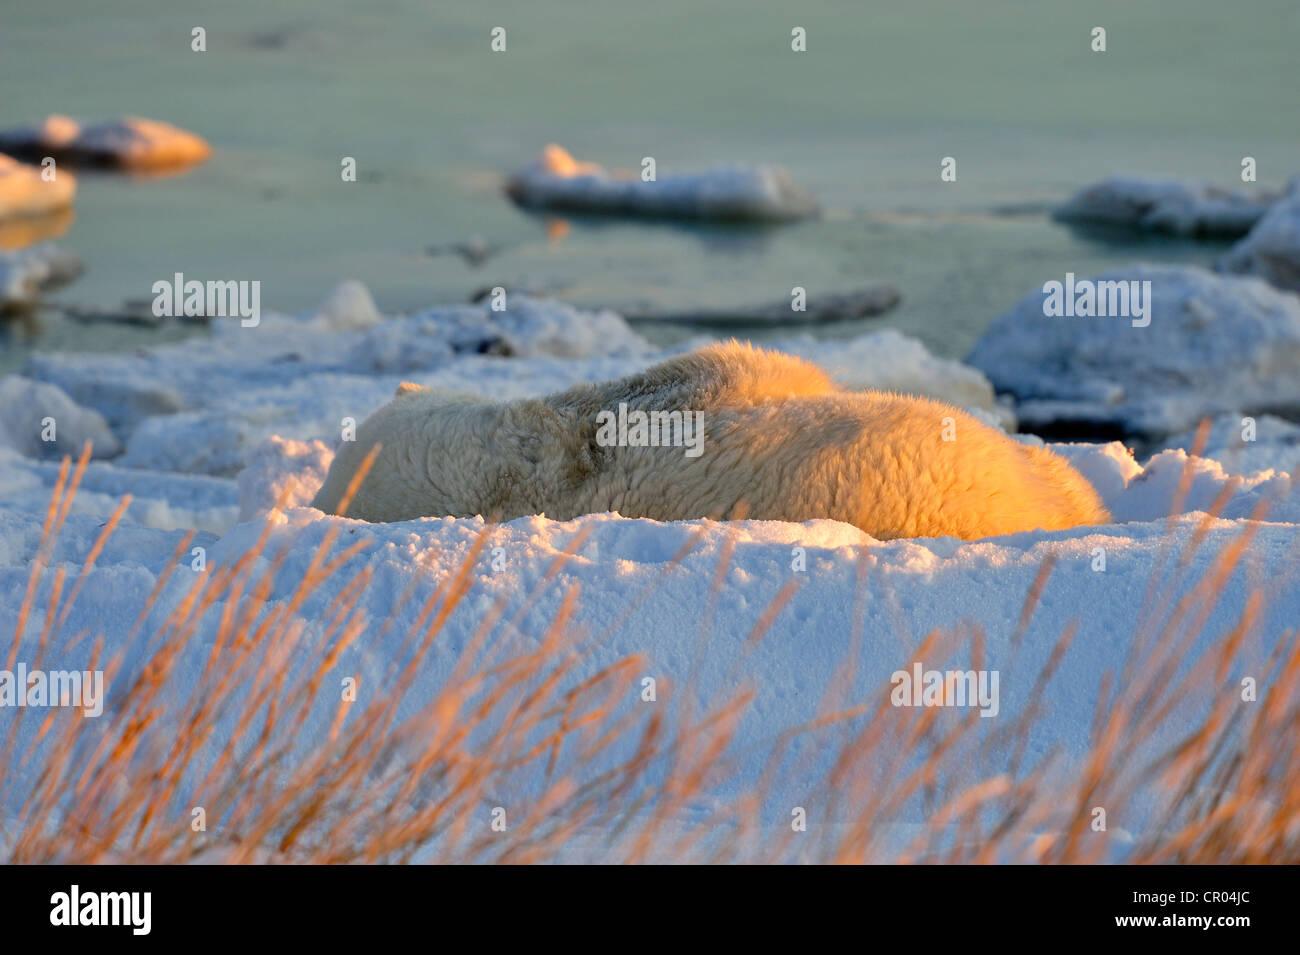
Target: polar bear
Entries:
(779, 441)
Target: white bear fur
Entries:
(781, 443)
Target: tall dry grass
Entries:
(605, 780)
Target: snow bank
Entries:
(24, 192)
(168, 502)
(41, 421)
(736, 192)
(1176, 208)
(1213, 345)
(904, 590)
(1173, 482)
(127, 143)
(1272, 250)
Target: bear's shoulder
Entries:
(732, 374)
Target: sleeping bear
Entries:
(725, 432)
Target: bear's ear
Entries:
(407, 388)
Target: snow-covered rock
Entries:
(25, 192)
(1272, 249)
(1213, 344)
(127, 143)
(735, 192)
(40, 421)
(1176, 208)
(26, 273)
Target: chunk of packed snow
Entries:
(39, 420)
(527, 328)
(1172, 482)
(349, 307)
(282, 473)
(1175, 208)
(25, 192)
(1272, 249)
(1244, 444)
(26, 273)
(1213, 344)
(736, 192)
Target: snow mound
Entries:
(1272, 250)
(695, 634)
(40, 421)
(159, 500)
(1185, 209)
(1213, 344)
(527, 327)
(1173, 482)
(1244, 444)
(349, 307)
(282, 472)
(733, 192)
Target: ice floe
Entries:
(26, 193)
(1185, 209)
(1213, 344)
(757, 193)
(130, 143)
